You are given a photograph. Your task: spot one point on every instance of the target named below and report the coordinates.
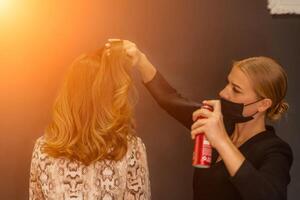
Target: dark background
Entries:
(192, 43)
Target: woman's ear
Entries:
(264, 104)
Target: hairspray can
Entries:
(202, 149)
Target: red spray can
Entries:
(202, 149)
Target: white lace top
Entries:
(62, 179)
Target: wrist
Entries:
(146, 69)
(143, 60)
(223, 144)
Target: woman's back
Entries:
(62, 178)
(89, 149)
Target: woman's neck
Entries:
(245, 131)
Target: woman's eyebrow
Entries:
(234, 84)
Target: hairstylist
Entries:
(249, 160)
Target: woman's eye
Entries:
(235, 90)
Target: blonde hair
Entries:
(93, 114)
(269, 81)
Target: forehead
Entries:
(238, 77)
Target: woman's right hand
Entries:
(139, 59)
(132, 51)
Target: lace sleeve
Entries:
(137, 180)
(35, 190)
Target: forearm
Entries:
(164, 94)
(231, 156)
(146, 69)
(171, 101)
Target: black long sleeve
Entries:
(270, 178)
(171, 101)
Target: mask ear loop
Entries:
(254, 103)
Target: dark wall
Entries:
(192, 43)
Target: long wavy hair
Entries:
(93, 114)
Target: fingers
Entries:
(128, 46)
(214, 103)
(196, 132)
(198, 123)
(125, 42)
(202, 112)
(110, 40)
(114, 40)
(128, 43)
(198, 127)
(131, 51)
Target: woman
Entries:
(90, 150)
(249, 161)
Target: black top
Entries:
(264, 175)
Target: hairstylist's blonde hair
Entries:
(93, 114)
(269, 81)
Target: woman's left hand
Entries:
(210, 123)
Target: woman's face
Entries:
(239, 89)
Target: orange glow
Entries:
(4, 5)
(38, 41)
(6, 9)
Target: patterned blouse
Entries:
(62, 179)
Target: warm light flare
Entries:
(3, 3)
(10, 11)
(5, 6)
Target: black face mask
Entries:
(233, 113)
